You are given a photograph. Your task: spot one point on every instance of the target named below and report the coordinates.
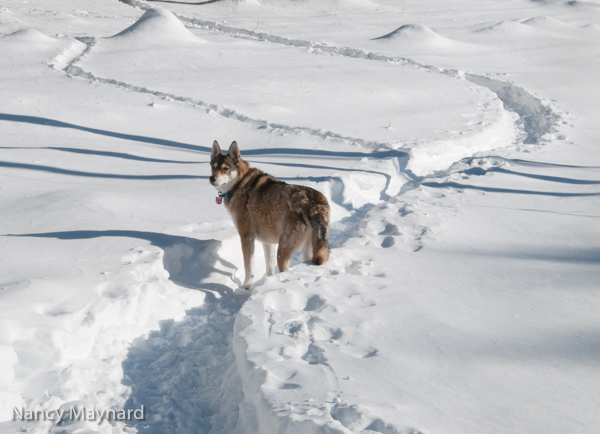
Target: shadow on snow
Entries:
(57, 170)
(122, 155)
(174, 144)
(504, 190)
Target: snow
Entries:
(156, 26)
(415, 37)
(456, 143)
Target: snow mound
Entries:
(547, 23)
(418, 35)
(584, 5)
(512, 28)
(30, 36)
(595, 28)
(155, 26)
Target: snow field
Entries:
(444, 308)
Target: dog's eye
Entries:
(225, 168)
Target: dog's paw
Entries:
(246, 285)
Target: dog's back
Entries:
(275, 212)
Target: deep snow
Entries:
(457, 144)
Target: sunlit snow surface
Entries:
(457, 145)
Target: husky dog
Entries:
(270, 211)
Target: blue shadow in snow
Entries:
(561, 254)
(541, 163)
(402, 156)
(50, 169)
(504, 190)
(35, 120)
(478, 171)
(122, 155)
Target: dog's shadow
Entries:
(190, 261)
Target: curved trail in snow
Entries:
(74, 70)
(536, 118)
(71, 67)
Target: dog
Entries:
(283, 217)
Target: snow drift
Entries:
(30, 36)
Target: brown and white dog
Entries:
(283, 217)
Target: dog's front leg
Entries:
(248, 251)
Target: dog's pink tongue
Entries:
(219, 200)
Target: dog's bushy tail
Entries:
(319, 220)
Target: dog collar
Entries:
(227, 195)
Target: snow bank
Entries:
(70, 351)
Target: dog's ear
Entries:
(234, 152)
(216, 150)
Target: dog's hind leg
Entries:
(248, 251)
(307, 251)
(290, 241)
(284, 255)
(270, 257)
(319, 243)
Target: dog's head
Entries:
(225, 169)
